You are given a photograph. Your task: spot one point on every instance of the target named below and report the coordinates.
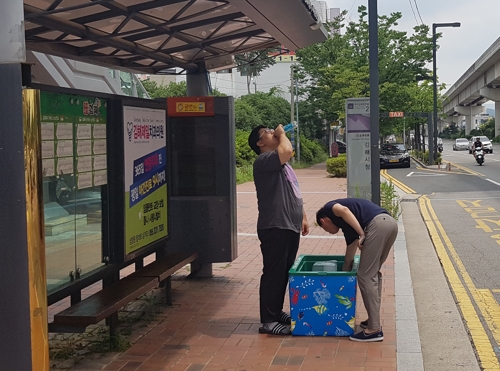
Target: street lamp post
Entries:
(433, 153)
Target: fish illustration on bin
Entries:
(322, 303)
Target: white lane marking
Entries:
(416, 173)
(308, 236)
(492, 181)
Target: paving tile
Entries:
(213, 325)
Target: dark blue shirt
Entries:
(362, 209)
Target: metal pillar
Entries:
(430, 142)
(21, 314)
(15, 337)
(434, 87)
(374, 100)
(297, 117)
(497, 118)
(197, 85)
(432, 154)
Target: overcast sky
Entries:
(460, 47)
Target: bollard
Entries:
(449, 166)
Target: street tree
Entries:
(173, 89)
(251, 64)
(338, 68)
(268, 108)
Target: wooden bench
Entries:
(106, 303)
(164, 268)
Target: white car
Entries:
(460, 143)
(488, 147)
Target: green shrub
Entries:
(389, 199)
(244, 154)
(311, 152)
(244, 174)
(496, 139)
(425, 157)
(306, 154)
(337, 166)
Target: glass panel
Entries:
(59, 231)
(88, 220)
(74, 168)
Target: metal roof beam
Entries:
(206, 43)
(148, 21)
(87, 33)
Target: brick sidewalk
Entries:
(213, 325)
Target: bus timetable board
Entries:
(358, 148)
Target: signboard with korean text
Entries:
(358, 148)
(145, 159)
(74, 139)
(190, 106)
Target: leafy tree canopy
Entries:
(338, 68)
(253, 63)
(267, 108)
(173, 89)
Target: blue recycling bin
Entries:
(322, 303)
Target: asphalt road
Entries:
(461, 208)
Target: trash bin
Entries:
(322, 303)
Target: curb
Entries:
(409, 348)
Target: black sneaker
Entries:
(364, 324)
(361, 336)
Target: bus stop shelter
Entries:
(153, 37)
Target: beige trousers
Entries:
(380, 236)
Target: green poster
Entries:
(74, 138)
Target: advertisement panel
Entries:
(145, 159)
(74, 139)
(358, 148)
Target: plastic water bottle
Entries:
(325, 266)
(289, 127)
(330, 266)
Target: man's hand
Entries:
(279, 131)
(305, 227)
(361, 241)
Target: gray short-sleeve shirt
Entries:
(278, 193)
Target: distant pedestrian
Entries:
(370, 228)
(281, 220)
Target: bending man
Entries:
(370, 228)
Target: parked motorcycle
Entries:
(440, 148)
(479, 156)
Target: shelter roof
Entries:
(155, 36)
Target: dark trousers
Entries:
(279, 249)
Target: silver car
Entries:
(460, 143)
(487, 146)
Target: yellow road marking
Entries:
(484, 348)
(465, 169)
(495, 290)
(396, 182)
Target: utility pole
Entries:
(374, 100)
(297, 117)
(292, 100)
